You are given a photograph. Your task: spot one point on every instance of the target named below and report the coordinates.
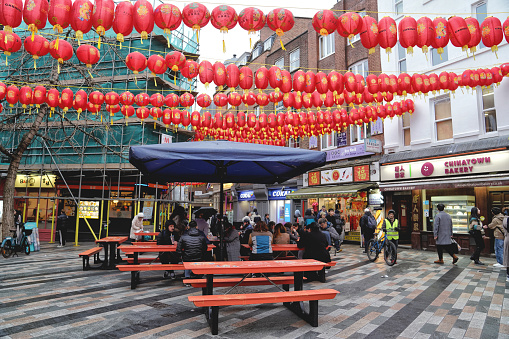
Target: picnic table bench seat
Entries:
(86, 256)
(228, 282)
(144, 243)
(135, 270)
(290, 299)
(142, 260)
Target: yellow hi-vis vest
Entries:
(392, 234)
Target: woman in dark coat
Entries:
(476, 229)
(231, 238)
(314, 243)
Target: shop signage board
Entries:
(373, 145)
(89, 209)
(347, 152)
(314, 178)
(166, 139)
(280, 194)
(342, 139)
(35, 181)
(361, 173)
(375, 199)
(313, 142)
(338, 175)
(453, 166)
(246, 196)
(377, 127)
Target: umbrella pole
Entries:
(221, 225)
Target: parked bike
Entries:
(380, 242)
(11, 245)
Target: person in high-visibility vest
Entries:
(391, 227)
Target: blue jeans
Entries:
(499, 250)
(187, 274)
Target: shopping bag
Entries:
(456, 248)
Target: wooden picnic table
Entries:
(146, 233)
(110, 245)
(297, 267)
(136, 250)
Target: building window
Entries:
(360, 67)
(406, 129)
(326, 45)
(257, 111)
(401, 59)
(295, 60)
(488, 110)
(280, 63)
(242, 61)
(359, 133)
(443, 119)
(435, 57)
(280, 107)
(256, 52)
(294, 143)
(398, 7)
(357, 37)
(329, 141)
(267, 45)
(481, 12)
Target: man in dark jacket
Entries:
(315, 245)
(192, 246)
(62, 227)
(366, 227)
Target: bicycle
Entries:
(380, 242)
(10, 245)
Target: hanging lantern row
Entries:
(424, 33)
(280, 127)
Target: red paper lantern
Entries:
(475, 33)
(288, 100)
(203, 100)
(123, 20)
(505, 27)
(286, 85)
(206, 73)
(66, 100)
(142, 99)
(190, 69)
(113, 109)
(61, 51)
(157, 65)
(443, 81)
(275, 97)
(175, 61)
(234, 99)
(372, 84)
(156, 112)
(387, 33)
(157, 100)
(408, 33)
(185, 118)
(88, 55)
(453, 81)
(262, 78)
(81, 17)
(142, 113)
(195, 16)
(59, 14)
(187, 99)
(52, 99)
(112, 98)
(245, 78)
(262, 99)
(219, 74)
(404, 83)
(136, 62)
(425, 33)
(496, 74)
(434, 82)
(280, 20)
(275, 78)
(25, 96)
(35, 14)
(316, 99)
(38, 95)
(325, 22)
(322, 85)
(127, 111)
(232, 76)
(441, 38)
(393, 84)
(218, 120)
(11, 14)
(168, 18)
(167, 117)
(335, 82)
(96, 98)
(458, 32)
(223, 18)
(206, 119)
(251, 19)
(306, 101)
(127, 98)
(220, 100)
(176, 116)
(251, 120)
(249, 99)
(143, 18)
(491, 33)
(10, 43)
(349, 25)
(299, 81)
(195, 119)
(369, 33)
(102, 17)
(349, 82)
(310, 82)
(37, 47)
(298, 101)
(80, 100)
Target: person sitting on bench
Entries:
(168, 236)
(192, 246)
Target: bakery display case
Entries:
(458, 207)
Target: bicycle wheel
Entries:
(25, 246)
(390, 253)
(7, 249)
(372, 251)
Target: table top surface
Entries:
(243, 267)
(118, 240)
(153, 248)
(280, 247)
(146, 233)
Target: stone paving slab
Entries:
(47, 295)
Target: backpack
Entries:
(371, 222)
(164, 238)
(338, 225)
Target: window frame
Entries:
(482, 110)
(366, 134)
(404, 128)
(257, 111)
(294, 143)
(269, 40)
(282, 66)
(365, 69)
(441, 61)
(256, 52)
(329, 41)
(334, 141)
(433, 106)
(292, 67)
(475, 6)
(396, 3)
(401, 60)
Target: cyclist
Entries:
(391, 227)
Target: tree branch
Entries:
(5, 151)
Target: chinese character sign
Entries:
(314, 178)
(399, 172)
(361, 173)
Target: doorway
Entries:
(403, 208)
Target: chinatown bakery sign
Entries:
(457, 166)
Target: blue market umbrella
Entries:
(223, 161)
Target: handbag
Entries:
(456, 248)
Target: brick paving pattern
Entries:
(47, 295)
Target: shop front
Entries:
(461, 181)
(280, 208)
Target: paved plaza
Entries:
(46, 294)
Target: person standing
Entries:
(203, 225)
(498, 233)
(339, 224)
(231, 238)
(62, 227)
(442, 231)
(506, 243)
(476, 230)
(299, 219)
(192, 246)
(266, 219)
(391, 227)
(368, 227)
(136, 226)
(315, 245)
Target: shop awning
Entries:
(467, 182)
(329, 192)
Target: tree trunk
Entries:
(9, 190)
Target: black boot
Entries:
(477, 262)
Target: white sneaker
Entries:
(507, 280)
(60, 246)
(498, 265)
